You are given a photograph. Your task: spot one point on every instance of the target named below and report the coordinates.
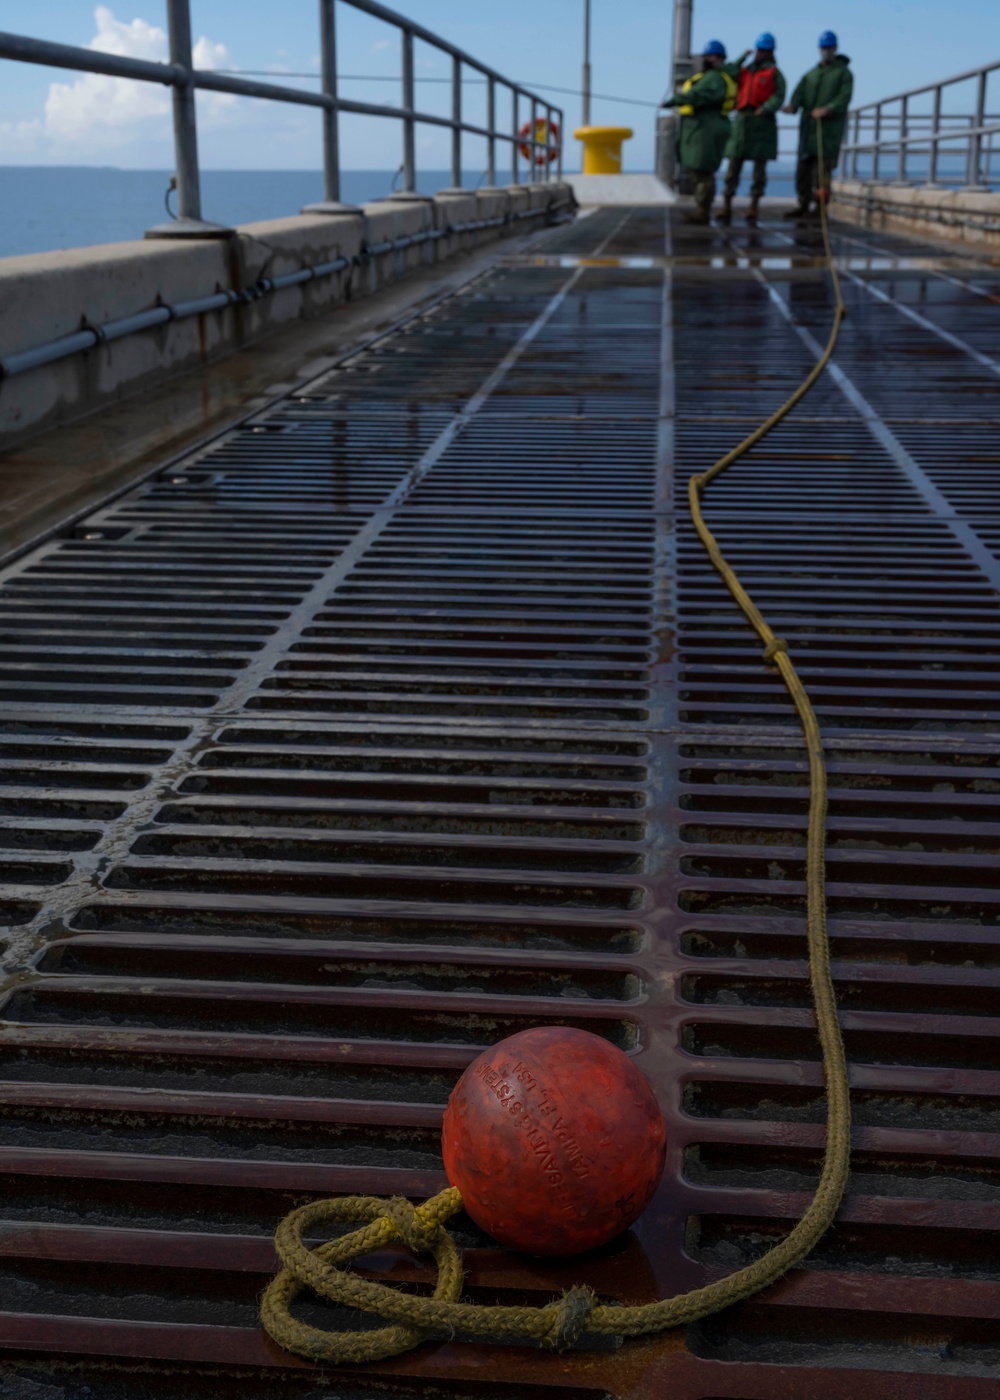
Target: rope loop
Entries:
(563, 1323)
(317, 1269)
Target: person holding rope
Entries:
(754, 135)
(705, 102)
(823, 96)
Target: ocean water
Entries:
(48, 207)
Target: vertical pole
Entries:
(973, 174)
(456, 116)
(331, 135)
(682, 41)
(513, 145)
(491, 123)
(547, 168)
(559, 148)
(533, 141)
(876, 139)
(857, 138)
(409, 103)
(904, 108)
(932, 165)
(585, 114)
(185, 127)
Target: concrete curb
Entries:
(964, 216)
(86, 327)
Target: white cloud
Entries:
(96, 103)
(19, 140)
(135, 40)
(99, 116)
(209, 55)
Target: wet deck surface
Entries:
(409, 715)
(74, 469)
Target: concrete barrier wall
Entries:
(965, 216)
(45, 296)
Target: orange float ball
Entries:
(555, 1141)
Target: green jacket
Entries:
(753, 137)
(703, 136)
(826, 85)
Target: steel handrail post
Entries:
(513, 145)
(533, 140)
(877, 138)
(491, 140)
(559, 144)
(456, 116)
(932, 164)
(975, 158)
(185, 119)
(409, 105)
(901, 158)
(331, 129)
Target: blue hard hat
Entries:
(827, 40)
(713, 46)
(765, 41)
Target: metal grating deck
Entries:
(406, 715)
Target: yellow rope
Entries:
(577, 1313)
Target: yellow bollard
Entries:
(602, 148)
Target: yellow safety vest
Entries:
(731, 91)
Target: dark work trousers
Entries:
(757, 186)
(807, 178)
(704, 189)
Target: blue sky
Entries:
(48, 117)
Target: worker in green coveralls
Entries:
(825, 92)
(705, 101)
(754, 135)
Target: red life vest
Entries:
(756, 86)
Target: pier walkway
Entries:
(408, 713)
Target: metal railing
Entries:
(184, 79)
(913, 138)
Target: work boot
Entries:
(753, 210)
(698, 216)
(801, 211)
(726, 217)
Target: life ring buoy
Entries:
(546, 132)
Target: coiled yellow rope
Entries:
(577, 1313)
